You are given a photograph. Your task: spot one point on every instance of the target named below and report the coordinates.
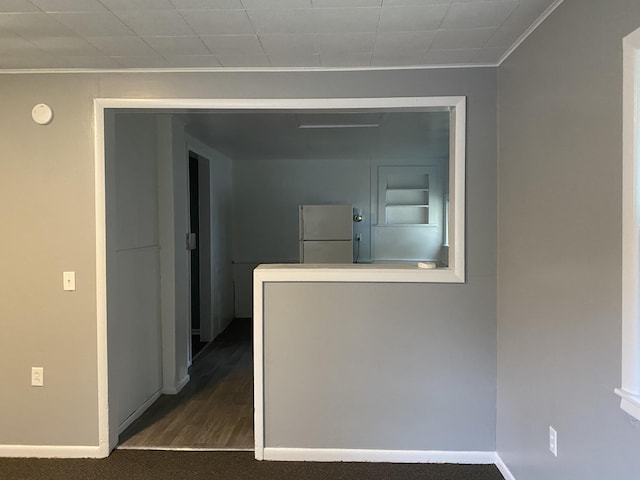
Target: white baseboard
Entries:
(52, 451)
(185, 449)
(363, 455)
(504, 470)
(288, 454)
(175, 390)
(139, 411)
(182, 383)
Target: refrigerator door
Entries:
(326, 251)
(326, 222)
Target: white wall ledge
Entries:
(630, 403)
(368, 273)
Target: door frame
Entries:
(205, 219)
(456, 273)
(629, 390)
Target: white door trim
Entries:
(101, 284)
(630, 387)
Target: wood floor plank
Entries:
(215, 410)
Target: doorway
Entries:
(214, 411)
(164, 291)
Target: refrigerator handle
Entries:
(300, 223)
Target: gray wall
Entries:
(559, 293)
(270, 190)
(51, 170)
(133, 286)
(173, 204)
(378, 366)
(46, 193)
(267, 193)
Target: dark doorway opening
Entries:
(194, 244)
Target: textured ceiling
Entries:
(116, 34)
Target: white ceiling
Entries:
(116, 34)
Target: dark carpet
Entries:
(162, 465)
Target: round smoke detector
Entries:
(42, 114)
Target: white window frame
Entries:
(630, 389)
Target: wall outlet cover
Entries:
(37, 376)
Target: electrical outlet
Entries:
(37, 376)
(553, 441)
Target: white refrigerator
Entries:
(326, 233)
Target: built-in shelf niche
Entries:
(404, 196)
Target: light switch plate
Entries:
(69, 280)
(553, 441)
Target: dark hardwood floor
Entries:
(214, 410)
